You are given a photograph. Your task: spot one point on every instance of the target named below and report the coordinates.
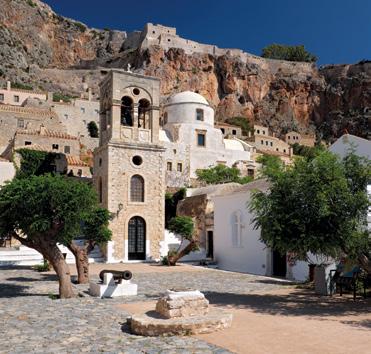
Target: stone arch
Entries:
(127, 111)
(144, 113)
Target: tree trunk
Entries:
(172, 260)
(82, 262)
(55, 257)
(47, 246)
(365, 263)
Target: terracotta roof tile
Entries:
(47, 133)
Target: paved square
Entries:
(269, 315)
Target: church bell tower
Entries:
(129, 165)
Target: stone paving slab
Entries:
(32, 322)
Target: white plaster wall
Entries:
(186, 113)
(7, 171)
(251, 256)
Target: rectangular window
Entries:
(16, 98)
(234, 132)
(55, 146)
(1, 97)
(266, 143)
(222, 129)
(288, 137)
(28, 143)
(82, 110)
(199, 114)
(67, 149)
(169, 166)
(20, 123)
(262, 142)
(201, 139)
(250, 172)
(179, 167)
(271, 144)
(66, 116)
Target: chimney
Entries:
(42, 129)
(274, 135)
(8, 86)
(89, 94)
(49, 97)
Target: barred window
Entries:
(137, 189)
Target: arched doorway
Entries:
(127, 111)
(137, 239)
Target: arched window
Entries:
(100, 190)
(137, 189)
(127, 111)
(144, 109)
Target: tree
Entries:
(93, 129)
(318, 205)
(183, 226)
(95, 231)
(243, 123)
(221, 174)
(271, 165)
(43, 211)
(287, 52)
(171, 203)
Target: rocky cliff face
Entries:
(46, 50)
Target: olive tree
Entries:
(44, 211)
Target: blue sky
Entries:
(337, 31)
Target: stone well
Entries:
(180, 313)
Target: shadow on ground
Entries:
(299, 302)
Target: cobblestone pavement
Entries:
(31, 321)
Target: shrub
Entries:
(58, 96)
(80, 26)
(31, 3)
(287, 52)
(21, 86)
(93, 129)
(221, 174)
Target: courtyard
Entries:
(270, 315)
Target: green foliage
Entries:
(243, 123)
(307, 151)
(21, 86)
(38, 204)
(31, 3)
(287, 52)
(95, 225)
(58, 96)
(221, 174)
(93, 129)
(80, 26)
(271, 165)
(39, 163)
(183, 226)
(45, 267)
(318, 205)
(171, 203)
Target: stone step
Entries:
(28, 256)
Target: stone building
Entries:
(129, 165)
(55, 141)
(17, 97)
(301, 139)
(13, 118)
(269, 144)
(229, 130)
(192, 142)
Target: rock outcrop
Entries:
(48, 51)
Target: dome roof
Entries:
(186, 97)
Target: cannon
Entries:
(118, 275)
